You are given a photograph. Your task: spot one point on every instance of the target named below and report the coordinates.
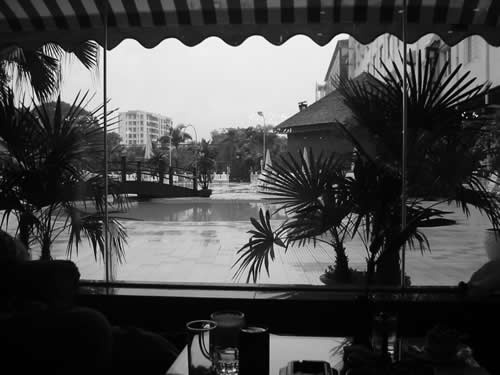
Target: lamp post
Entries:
(264, 140)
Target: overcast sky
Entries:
(211, 85)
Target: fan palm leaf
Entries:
(47, 161)
(259, 250)
(41, 69)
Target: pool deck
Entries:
(204, 253)
(189, 240)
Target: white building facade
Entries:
(136, 127)
(473, 53)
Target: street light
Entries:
(264, 142)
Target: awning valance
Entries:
(30, 23)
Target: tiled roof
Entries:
(330, 109)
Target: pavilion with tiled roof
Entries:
(317, 125)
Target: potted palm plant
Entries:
(51, 180)
(324, 205)
(443, 153)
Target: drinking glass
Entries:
(225, 341)
(384, 335)
(226, 360)
(199, 359)
(227, 332)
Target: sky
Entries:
(211, 85)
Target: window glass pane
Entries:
(452, 148)
(51, 159)
(209, 106)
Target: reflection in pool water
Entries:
(197, 210)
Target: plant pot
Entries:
(492, 244)
(357, 279)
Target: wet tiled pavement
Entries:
(196, 241)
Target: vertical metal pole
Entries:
(264, 143)
(404, 144)
(105, 108)
(404, 19)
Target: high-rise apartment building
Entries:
(136, 126)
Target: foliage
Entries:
(324, 205)
(41, 69)
(247, 143)
(443, 144)
(442, 153)
(114, 147)
(206, 163)
(48, 182)
(176, 137)
(260, 247)
(444, 160)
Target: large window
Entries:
(192, 130)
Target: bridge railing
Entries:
(160, 173)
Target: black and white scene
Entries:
(250, 187)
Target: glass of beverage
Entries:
(226, 360)
(227, 332)
(225, 340)
(384, 335)
(199, 359)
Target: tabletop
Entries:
(284, 349)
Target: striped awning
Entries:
(30, 23)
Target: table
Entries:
(284, 349)
(289, 348)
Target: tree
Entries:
(247, 143)
(443, 146)
(206, 163)
(47, 181)
(114, 147)
(41, 69)
(177, 135)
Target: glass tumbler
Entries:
(225, 341)
(384, 335)
(199, 359)
(227, 332)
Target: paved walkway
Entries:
(200, 251)
(196, 239)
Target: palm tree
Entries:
(40, 69)
(324, 205)
(175, 138)
(444, 154)
(49, 182)
(444, 157)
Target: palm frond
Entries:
(260, 248)
(91, 226)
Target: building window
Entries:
(447, 59)
(468, 50)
